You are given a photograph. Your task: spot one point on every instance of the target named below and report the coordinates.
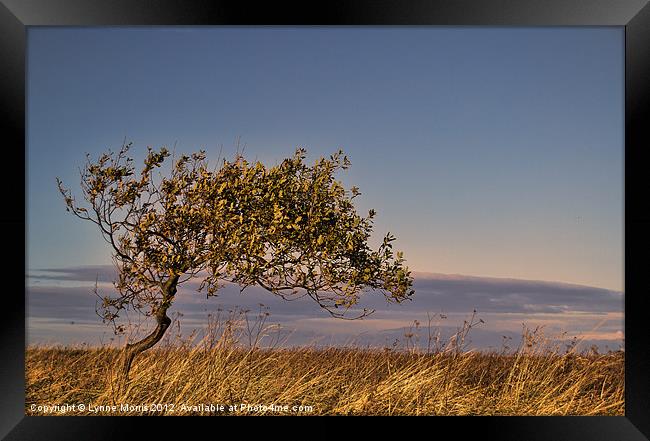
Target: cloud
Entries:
(89, 273)
(433, 292)
(503, 303)
(463, 293)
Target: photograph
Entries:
(315, 220)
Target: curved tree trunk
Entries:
(162, 323)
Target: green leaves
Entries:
(290, 228)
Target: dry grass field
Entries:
(220, 376)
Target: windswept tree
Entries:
(291, 229)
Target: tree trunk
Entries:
(162, 323)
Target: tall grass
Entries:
(231, 367)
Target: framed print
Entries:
(434, 209)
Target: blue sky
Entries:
(491, 152)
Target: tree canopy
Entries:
(290, 228)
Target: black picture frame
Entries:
(17, 15)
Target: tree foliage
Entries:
(291, 228)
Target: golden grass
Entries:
(347, 381)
